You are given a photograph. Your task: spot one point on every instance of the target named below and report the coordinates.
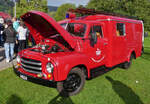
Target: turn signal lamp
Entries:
(49, 75)
(39, 75)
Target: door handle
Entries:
(105, 43)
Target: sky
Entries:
(60, 2)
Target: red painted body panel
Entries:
(108, 51)
(41, 26)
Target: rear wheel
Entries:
(73, 84)
(127, 65)
(142, 51)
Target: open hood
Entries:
(41, 26)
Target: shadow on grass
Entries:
(61, 100)
(14, 99)
(124, 92)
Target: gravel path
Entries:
(3, 64)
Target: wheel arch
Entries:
(134, 54)
(83, 68)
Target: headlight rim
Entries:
(49, 67)
(18, 59)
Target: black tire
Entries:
(127, 65)
(73, 84)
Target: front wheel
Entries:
(73, 84)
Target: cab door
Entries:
(96, 46)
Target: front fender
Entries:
(66, 63)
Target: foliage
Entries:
(52, 14)
(61, 11)
(136, 8)
(80, 6)
(6, 6)
(23, 6)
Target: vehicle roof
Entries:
(95, 18)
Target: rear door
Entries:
(119, 43)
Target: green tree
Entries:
(6, 6)
(136, 8)
(81, 6)
(23, 6)
(52, 14)
(61, 11)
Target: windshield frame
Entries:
(66, 24)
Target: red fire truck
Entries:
(77, 48)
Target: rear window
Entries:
(120, 29)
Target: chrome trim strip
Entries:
(36, 68)
(30, 62)
(119, 20)
(31, 71)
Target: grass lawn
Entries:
(114, 87)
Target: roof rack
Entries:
(85, 11)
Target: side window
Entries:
(63, 25)
(120, 29)
(97, 30)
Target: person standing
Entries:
(22, 34)
(15, 26)
(10, 39)
(15, 23)
(1, 31)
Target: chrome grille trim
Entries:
(27, 66)
(30, 70)
(31, 65)
(29, 62)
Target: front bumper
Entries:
(34, 79)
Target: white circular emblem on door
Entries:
(98, 52)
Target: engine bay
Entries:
(47, 47)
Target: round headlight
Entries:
(49, 67)
(18, 59)
(43, 47)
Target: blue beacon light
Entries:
(67, 15)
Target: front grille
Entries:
(30, 65)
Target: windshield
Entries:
(75, 29)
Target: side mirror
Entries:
(93, 39)
(145, 34)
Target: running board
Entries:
(98, 71)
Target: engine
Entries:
(46, 49)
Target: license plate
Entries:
(23, 77)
